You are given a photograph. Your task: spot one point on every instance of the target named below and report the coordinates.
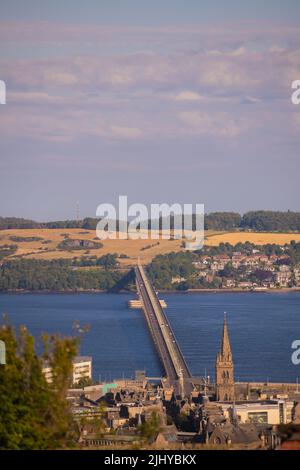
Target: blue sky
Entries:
(139, 12)
(162, 101)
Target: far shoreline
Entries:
(283, 290)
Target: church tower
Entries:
(224, 369)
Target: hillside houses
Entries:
(283, 276)
(247, 270)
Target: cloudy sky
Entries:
(163, 101)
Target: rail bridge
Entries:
(177, 373)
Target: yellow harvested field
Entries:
(39, 250)
(258, 238)
(145, 249)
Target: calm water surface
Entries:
(262, 327)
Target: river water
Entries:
(262, 327)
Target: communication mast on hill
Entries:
(77, 211)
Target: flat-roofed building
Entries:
(259, 412)
(82, 369)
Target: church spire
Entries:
(224, 368)
(225, 352)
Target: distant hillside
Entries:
(257, 221)
(270, 221)
(7, 223)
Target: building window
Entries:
(258, 417)
(281, 413)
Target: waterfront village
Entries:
(221, 415)
(254, 271)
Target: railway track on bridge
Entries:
(176, 370)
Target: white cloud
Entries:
(125, 94)
(61, 78)
(126, 132)
(188, 95)
(216, 124)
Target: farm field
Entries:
(258, 238)
(44, 243)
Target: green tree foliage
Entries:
(15, 222)
(89, 223)
(164, 267)
(18, 239)
(260, 275)
(228, 271)
(293, 250)
(227, 249)
(7, 250)
(33, 413)
(54, 275)
(259, 221)
(64, 224)
(77, 244)
(108, 261)
(222, 221)
(271, 221)
(149, 429)
(265, 221)
(185, 423)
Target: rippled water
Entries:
(262, 327)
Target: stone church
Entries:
(224, 369)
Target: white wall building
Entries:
(82, 368)
(260, 412)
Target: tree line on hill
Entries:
(259, 221)
(7, 223)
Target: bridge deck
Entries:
(176, 369)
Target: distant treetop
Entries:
(258, 221)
